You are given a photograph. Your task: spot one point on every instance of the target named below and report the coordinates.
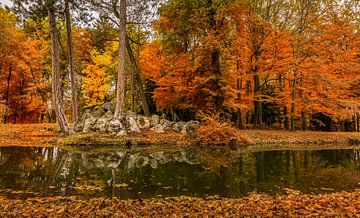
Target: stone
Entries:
(167, 124)
(98, 112)
(115, 125)
(158, 128)
(88, 124)
(178, 127)
(101, 125)
(109, 114)
(79, 126)
(121, 133)
(155, 119)
(190, 127)
(133, 126)
(143, 122)
(108, 106)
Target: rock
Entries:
(88, 124)
(79, 126)
(99, 112)
(101, 125)
(108, 106)
(115, 125)
(177, 127)
(133, 126)
(121, 133)
(155, 119)
(143, 122)
(167, 124)
(109, 114)
(179, 156)
(158, 128)
(190, 127)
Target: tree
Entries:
(120, 88)
(71, 62)
(57, 99)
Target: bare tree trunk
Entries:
(137, 80)
(120, 91)
(58, 103)
(7, 95)
(71, 63)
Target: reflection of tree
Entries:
(260, 167)
(53, 171)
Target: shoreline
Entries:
(45, 135)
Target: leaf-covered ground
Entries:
(293, 204)
(27, 134)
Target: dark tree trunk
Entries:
(121, 79)
(293, 96)
(258, 123)
(303, 118)
(137, 80)
(239, 112)
(58, 103)
(7, 94)
(286, 118)
(71, 63)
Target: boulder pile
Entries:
(101, 119)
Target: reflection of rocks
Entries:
(129, 160)
(100, 119)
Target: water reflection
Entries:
(35, 172)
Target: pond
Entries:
(128, 174)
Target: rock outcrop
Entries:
(101, 119)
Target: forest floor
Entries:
(47, 135)
(27, 134)
(293, 204)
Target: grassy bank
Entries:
(254, 139)
(293, 204)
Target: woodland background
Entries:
(279, 64)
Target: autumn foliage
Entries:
(258, 64)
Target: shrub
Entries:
(213, 132)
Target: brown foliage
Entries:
(293, 204)
(218, 133)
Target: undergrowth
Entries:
(213, 132)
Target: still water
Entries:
(39, 172)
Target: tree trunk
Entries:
(258, 124)
(137, 80)
(7, 95)
(239, 112)
(58, 103)
(71, 63)
(121, 80)
(286, 118)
